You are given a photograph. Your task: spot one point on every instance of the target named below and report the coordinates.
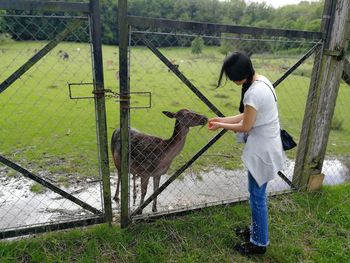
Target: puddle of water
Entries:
(225, 185)
(20, 207)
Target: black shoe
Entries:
(243, 233)
(249, 248)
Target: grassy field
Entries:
(304, 227)
(45, 130)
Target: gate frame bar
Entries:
(58, 6)
(201, 27)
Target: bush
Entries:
(5, 38)
(197, 45)
(337, 124)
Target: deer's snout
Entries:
(204, 120)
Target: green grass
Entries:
(43, 129)
(37, 188)
(304, 227)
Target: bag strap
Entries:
(269, 87)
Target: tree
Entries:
(304, 16)
(197, 45)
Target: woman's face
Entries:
(240, 82)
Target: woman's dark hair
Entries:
(238, 66)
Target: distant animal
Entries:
(63, 54)
(109, 63)
(152, 156)
(175, 65)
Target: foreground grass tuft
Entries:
(304, 227)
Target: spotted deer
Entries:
(152, 156)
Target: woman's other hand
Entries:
(216, 119)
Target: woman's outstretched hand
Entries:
(213, 125)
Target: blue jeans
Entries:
(258, 206)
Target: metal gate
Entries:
(160, 62)
(53, 173)
(207, 171)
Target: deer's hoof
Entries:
(139, 213)
(116, 199)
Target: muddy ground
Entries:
(20, 206)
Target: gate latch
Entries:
(138, 97)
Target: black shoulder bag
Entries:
(287, 140)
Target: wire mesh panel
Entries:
(41, 129)
(218, 175)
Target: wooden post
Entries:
(124, 110)
(325, 81)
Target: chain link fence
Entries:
(217, 176)
(53, 136)
(41, 129)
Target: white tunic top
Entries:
(263, 154)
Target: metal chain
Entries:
(112, 94)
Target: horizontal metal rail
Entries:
(220, 28)
(48, 185)
(53, 6)
(52, 227)
(238, 37)
(47, 16)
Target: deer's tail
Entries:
(115, 143)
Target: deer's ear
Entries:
(169, 114)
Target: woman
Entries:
(263, 154)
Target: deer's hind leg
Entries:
(144, 184)
(134, 190)
(156, 181)
(116, 195)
